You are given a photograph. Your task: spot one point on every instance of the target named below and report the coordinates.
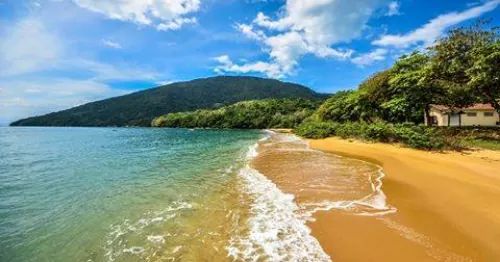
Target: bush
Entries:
(315, 129)
(379, 131)
(420, 137)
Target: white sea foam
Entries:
(134, 250)
(116, 242)
(276, 231)
(156, 239)
(373, 204)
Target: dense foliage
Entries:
(257, 114)
(412, 135)
(416, 136)
(138, 109)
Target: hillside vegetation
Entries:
(258, 114)
(139, 109)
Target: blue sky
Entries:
(56, 54)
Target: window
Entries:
(488, 113)
(472, 114)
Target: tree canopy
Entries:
(257, 114)
(460, 69)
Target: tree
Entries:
(345, 106)
(377, 86)
(452, 56)
(485, 74)
(374, 92)
(412, 91)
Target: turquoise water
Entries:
(119, 194)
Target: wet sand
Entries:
(448, 207)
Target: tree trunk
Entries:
(449, 120)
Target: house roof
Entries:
(479, 107)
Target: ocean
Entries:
(118, 194)
(144, 194)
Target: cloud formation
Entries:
(111, 44)
(371, 57)
(27, 46)
(227, 65)
(161, 14)
(393, 8)
(428, 33)
(305, 28)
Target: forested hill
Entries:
(138, 109)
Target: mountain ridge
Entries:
(139, 108)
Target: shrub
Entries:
(420, 137)
(315, 129)
(379, 131)
(349, 129)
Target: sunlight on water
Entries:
(103, 194)
(138, 194)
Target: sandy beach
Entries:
(441, 206)
(448, 207)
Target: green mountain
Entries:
(138, 109)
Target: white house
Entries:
(475, 115)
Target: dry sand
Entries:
(448, 207)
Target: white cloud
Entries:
(393, 8)
(103, 71)
(111, 44)
(162, 14)
(176, 23)
(28, 46)
(250, 32)
(227, 65)
(306, 27)
(431, 31)
(378, 54)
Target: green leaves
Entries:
(411, 135)
(256, 114)
(485, 73)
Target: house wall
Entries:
(479, 120)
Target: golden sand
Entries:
(448, 207)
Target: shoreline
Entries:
(446, 208)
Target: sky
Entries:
(56, 54)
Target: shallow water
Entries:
(320, 180)
(104, 194)
(142, 194)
